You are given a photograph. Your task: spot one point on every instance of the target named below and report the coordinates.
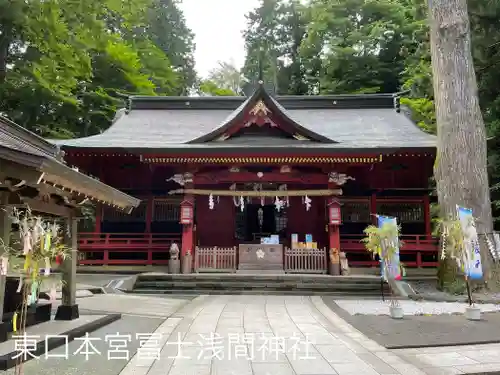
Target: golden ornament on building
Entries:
(260, 109)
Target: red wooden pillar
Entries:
(427, 217)
(334, 221)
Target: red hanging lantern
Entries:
(187, 213)
(334, 215)
(58, 259)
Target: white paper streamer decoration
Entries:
(20, 285)
(5, 266)
(46, 270)
(307, 202)
(278, 204)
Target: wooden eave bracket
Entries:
(89, 194)
(68, 179)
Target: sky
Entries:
(218, 26)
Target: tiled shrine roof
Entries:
(335, 123)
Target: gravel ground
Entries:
(426, 324)
(379, 307)
(428, 288)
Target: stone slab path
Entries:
(264, 335)
(250, 335)
(450, 360)
(130, 304)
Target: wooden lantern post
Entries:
(334, 221)
(187, 221)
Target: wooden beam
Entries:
(13, 186)
(46, 207)
(9, 170)
(219, 177)
(253, 193)
(72, 198)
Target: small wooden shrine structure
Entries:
(33, 174)
(220, 175)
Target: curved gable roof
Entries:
(236, 118)
(338, 122)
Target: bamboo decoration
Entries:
(253, 193)
(41, 243)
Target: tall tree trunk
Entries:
(460, 168)
(5, 42)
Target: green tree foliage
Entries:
(484, 17)
(486, 52)
(227, 76)
(359, 46)
(363, 46)
(65, 64)
(167, 29)
(273, 37)
(210, 88)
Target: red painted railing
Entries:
(414, 248)
(104, 248)
(151, 249)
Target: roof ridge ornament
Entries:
(260, 109)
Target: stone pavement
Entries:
(467, 359)
(130, 304)
(140, 315)
(249, 335)
(264, 335)
(72, 359)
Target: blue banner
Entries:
(394, 268)
(472, 264)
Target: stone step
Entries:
(199, 284)
(364, 294)
(311, 278)
(223, 283)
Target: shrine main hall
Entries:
(258, 182)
